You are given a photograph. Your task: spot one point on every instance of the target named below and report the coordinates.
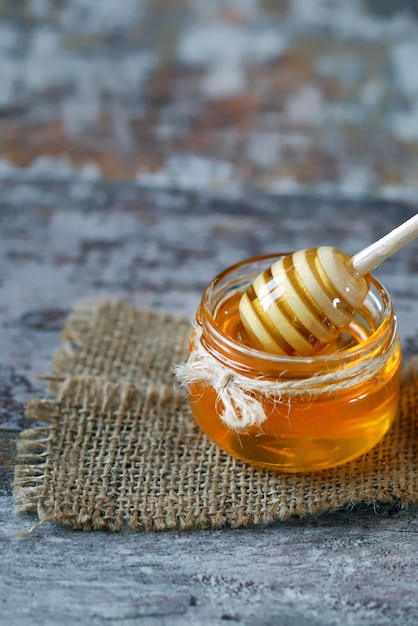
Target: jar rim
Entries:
(208, 322)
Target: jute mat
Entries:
(119, 445)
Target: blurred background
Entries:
(284, 96)
(146, 145)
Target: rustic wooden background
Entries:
(144, 146)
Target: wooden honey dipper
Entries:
(305, 300)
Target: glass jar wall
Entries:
(320, 411)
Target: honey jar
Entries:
(291, 413)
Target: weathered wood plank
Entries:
(302, 98)
(341, 569)
(280, 96)
(76, 239)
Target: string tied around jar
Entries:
(240, 398)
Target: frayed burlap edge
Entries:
(234, 494)
(51, 491)
(80, 322)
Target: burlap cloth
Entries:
(120, 445)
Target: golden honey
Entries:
(320, 427)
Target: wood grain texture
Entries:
(281, 96)
(197, 99)
(339, 569)
(64, 241)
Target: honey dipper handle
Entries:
(367, 259)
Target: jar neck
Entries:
(377, 311)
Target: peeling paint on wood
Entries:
(313, 102)
(279, 96)
(62, 241)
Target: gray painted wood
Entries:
(65, 240)
(94, 91)
(346, 568)
(275, 95)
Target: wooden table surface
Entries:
(142, 150)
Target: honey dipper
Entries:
(305, 300)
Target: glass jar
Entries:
(319, 411)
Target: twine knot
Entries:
(237, 408)
(241, 400)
